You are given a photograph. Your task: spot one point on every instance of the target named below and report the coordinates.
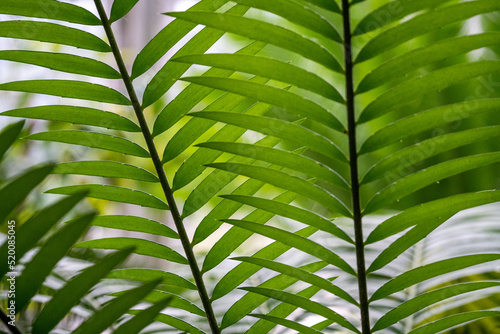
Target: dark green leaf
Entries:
(143, 318)
(287, 323)
(177, 323)
(136, 224)
(119, 9)
(452, 321)
(105, 169)
(143, 274)
(9, 135)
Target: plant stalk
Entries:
(178, 221)
(353, 162)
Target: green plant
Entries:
(330, 154)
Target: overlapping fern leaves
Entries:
(342, 127)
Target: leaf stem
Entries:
(5, 319)
(178, 221)
(353, 162)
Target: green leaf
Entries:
(291, 212)
(175, 302)
(243, 306)
(295, 241)
(49, 9)
(452, 321)
(71, 293)
(235, 237)
(414, 59)
(76, 115)
(274, 96)
(326, 4)
(105, 169)
(52, 33)
(296, 13)
(62, 62)
(143, 274)
(171, 72)
(300, 274)
(425, 120)
(32, 231)
(106, 316)
(243, 271)
(168, 37)
(264, 32)
(405, 159)
(194, 94)
(69, 89)
(9, 135)
(288, 182)
(141, 246)
(268, 68)
(113, 193)
(426, 212)
(92, 139)
(282, 158)
(287, 323)
(422, 24)
(135, 224)
(416, 88)
(143, 318)
(119, 9)
(305, 304)
(425, 177)
(44, 261)
(425, 272)
(411, 306)
(277, 128)
(177, 323)
(15, 191)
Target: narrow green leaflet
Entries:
(68, 88)
(92, 139)
(279, 157)
(235, 237)
(416, 88)
(14, 192)
(44, 261)
(405, 159)
(168, 75)
(326, 4)
(9, 135)
(298, 14)
(144, 274)
(120, 8)
(305, 304)
(135, 224)
(268, 68)
(143, 318)
(414, 59)
(106, 316)
(76, 115)
(423, 273)
(71, 293)
(293, 240)
(287, 323)
(175, 302)
(106, 169)
(113, 193)
(425, 212)
(52, 33)
(277, 128)
(452, 321)
(391, 12)
(292, 212)
(168, 37)
(275, 96)
(300, 274)
(425, 120)
(62, 62)
(142, 247)
(422, 24)
(194, 94)
(264, 32)
(29, 233)
(49, 9)
(176, 323)
(425, 177)
(246, 304)
(427, 299)
(243, 271)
